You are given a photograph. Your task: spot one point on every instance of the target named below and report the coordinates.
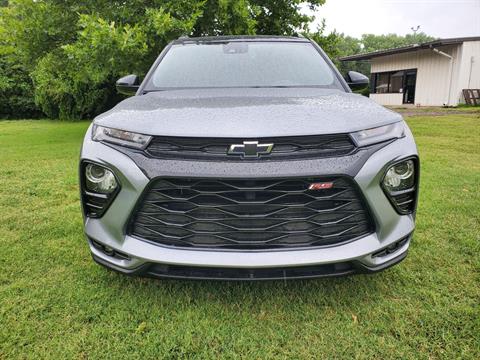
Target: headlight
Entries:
(400, 185)
(379, 134)
(120, 137)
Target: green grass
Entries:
(56, 303)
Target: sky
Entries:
(438, 18)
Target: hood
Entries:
(246, 113)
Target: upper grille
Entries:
(169, 147)
(250, 214)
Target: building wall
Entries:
(433, 74)
(469, 73)
(388, 99)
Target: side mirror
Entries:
(128, 85)
(356, 81)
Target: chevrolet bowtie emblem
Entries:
(250, 149)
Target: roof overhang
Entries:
(409, 48)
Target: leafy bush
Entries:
(16, 91)
(62, 94)
(77, 80)
(16, 87)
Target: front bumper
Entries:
(134, 172)
(276, 273)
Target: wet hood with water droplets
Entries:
(246, 113)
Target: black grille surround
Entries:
(284, 148)
(246, 214)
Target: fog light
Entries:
(400, 184)
(400, 176)
(99, 179)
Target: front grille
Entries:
(250, 214)
(166, 147)
(211, 273)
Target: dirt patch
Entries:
(434, 111)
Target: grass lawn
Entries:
(56, 303)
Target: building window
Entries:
(381, 83)
(392, 82)
(396, 82)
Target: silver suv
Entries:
(247, 158)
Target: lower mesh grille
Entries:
(300, 272)
(250, 214)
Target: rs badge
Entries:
(320, 186)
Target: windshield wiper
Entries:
(268, 86)
(149, 91)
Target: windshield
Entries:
(242, 64)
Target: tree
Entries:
(348, 45)
(220, 17)
(282, 17)
(329, 43)
(16, 88)
(372, 42)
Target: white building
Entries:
(428, 74)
